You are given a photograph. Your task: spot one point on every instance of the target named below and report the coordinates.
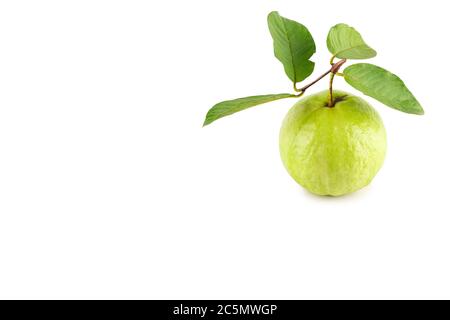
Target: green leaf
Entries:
(382, 85)
(293, 46)
(345, 42)
(228, 107)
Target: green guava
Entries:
(332, 151)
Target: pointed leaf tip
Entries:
(229, 107)
(383, 86)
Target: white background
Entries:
(110, 188)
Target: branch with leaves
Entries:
(294, 46)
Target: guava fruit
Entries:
(332, 143)
(332, 150)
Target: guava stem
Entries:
(334, 69)
(330, 94)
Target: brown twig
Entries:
(303, 89)
(335, 67)
(333, 70)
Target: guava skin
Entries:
(332, 151)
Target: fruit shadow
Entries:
(360, 194)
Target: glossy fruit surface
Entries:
(332, 151)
